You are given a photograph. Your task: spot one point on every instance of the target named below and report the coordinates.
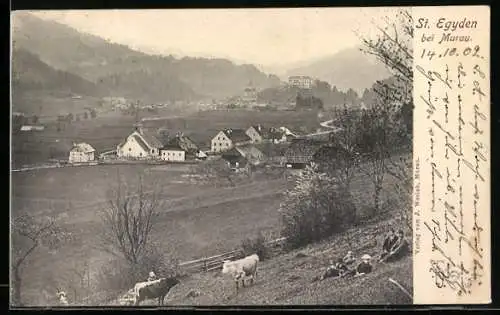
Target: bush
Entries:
(256, 246)
(315, 208)
(118, 275)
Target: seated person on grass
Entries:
(365, 265)
(349, 258)
(389, 242)
(399, 248)
(337, 270)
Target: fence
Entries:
(207, 264)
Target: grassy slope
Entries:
(287, 279)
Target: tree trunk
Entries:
(16, 286)
(376, 201)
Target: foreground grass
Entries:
(287, 279)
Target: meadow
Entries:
(196, 219)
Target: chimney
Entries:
(138, 127)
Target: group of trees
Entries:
(308, 102)
(374, 141)
(64, 120)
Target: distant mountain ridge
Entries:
(30, 73)
(121, 71)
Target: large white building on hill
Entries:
(301, 81)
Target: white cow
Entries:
(239, 269)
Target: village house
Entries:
(274, 152)
(235, 160)
(81, 153)
(301, 153)
(180, 148)
(256, 133)
(243, 156)
(229, 138)
(140, 144)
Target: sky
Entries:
(259, 36)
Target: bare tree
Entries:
(376, 135)
(393, 47)
(347, 159)
(129, 219)
(29, 233)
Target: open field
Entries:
(196, 220)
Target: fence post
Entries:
(205, 265)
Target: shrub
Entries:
(316, 207)
(118, 275)
(257, 246)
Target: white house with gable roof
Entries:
(81, 152)
(140, 144)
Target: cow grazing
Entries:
(154, 289)
(239, 269)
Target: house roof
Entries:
(275, 133)
(141, 143)
(83, 147)
(302, 150)
(181, 143)
(150, 139)
(237, 135)
(147, 141)
(272, 149)
(233, 155)
(250, 152)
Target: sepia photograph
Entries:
(212, 157)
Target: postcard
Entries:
(250, 157)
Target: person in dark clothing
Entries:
(365, 265)
(344, 269)
(339, 269)
(399, 248)
(389, 242)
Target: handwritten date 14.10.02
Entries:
(451, 52)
